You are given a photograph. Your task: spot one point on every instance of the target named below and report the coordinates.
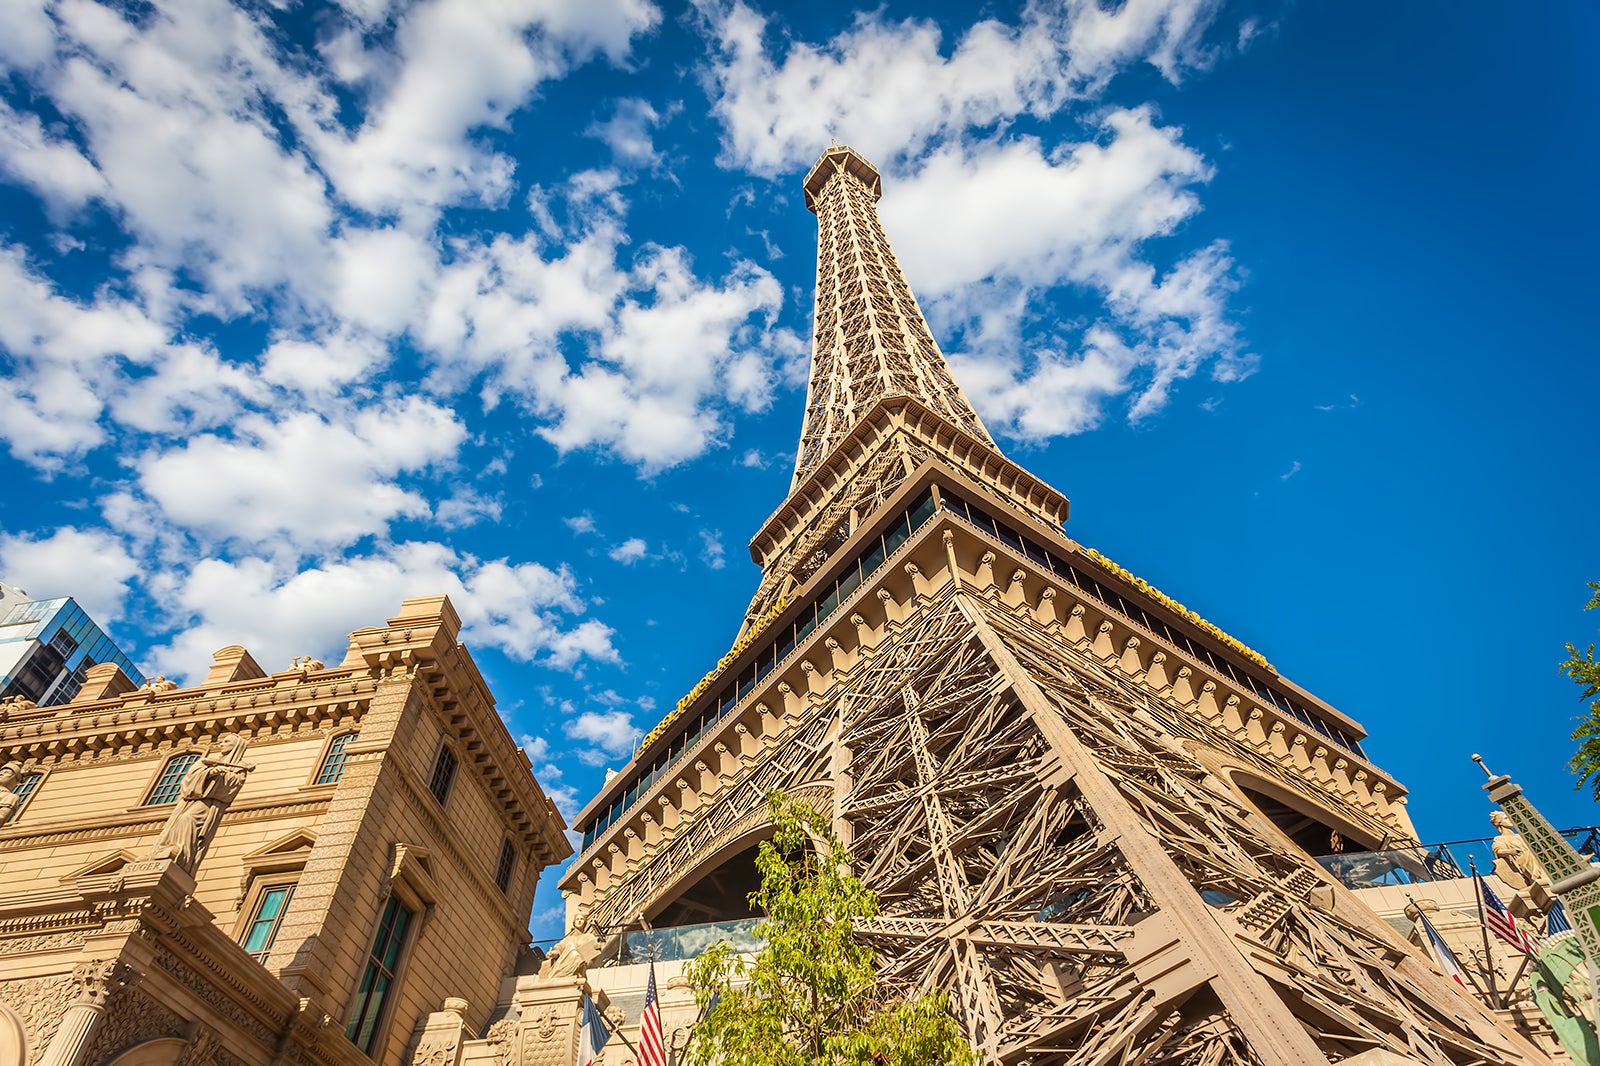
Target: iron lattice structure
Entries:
(1041, 764)
(870, 339)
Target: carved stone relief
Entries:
(502, 1041)
(43, 941)
(38, 1003)
(437, 1049)
(132, 1017)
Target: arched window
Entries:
(165, 790)
(333, 762)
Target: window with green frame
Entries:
(165, 790)
(377, 979)
(263, 928)
(333, 763)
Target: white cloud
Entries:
(891, 88)
(612, 732)
(52, 167)
(1017, 221)
(521, 608)
(638, 360)
(66, 360)
(302, 482)
(629, 132)
(1291, 472)
(629, 551)
(711, 550)
(90, 565)
(464, 65)
(1017, 212)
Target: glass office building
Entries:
(47, 646)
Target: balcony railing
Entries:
(679, 943)
(1434, 862)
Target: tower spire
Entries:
(871, 341)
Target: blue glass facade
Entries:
(63, 642)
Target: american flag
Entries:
(652, 1049)
(1441, 951)
(595, 1034)
(1500, 920)
(1555, 922)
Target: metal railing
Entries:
(1434, 862)
(678, 943)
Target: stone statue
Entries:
(572, 954)
(306, 662)
(203, 795)
(15, 705)
(158, 684)
(10, 774)
(1516, 865)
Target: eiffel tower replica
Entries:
(1089, 815)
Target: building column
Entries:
(96, 981)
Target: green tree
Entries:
(1585, 671)
(812, 994)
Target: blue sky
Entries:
(304, 309)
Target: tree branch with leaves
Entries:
(1585, 672)
(812, 994)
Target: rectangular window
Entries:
(444, 772)
(896, 536)
(23, 790)
(333, 763)
(377, 980)
(263, 929)
(63, 642)
(166, 787)
(874, 558)
(502, 870)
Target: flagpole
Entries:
(1483, 928)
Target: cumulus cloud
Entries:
(68, 360)
(90, 565)
(629, 551)
(612, 732)
(302, 482)
(890, 88)
(629, 132)
(641, 359)
(462, 65)
(524, 609)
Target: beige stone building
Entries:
(313, 865)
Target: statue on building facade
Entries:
(1518, 867)
(571, 955)
(10, 774)
(204, 794)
